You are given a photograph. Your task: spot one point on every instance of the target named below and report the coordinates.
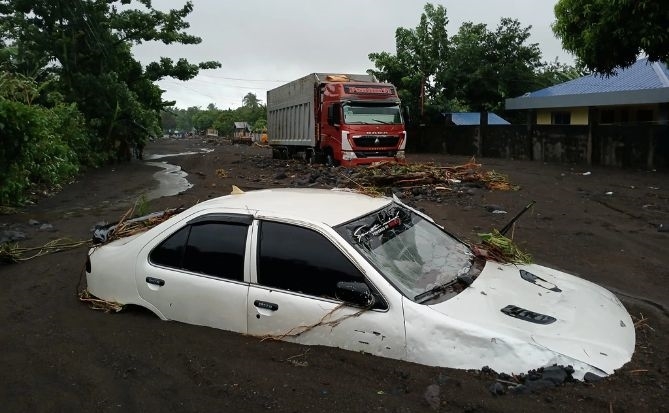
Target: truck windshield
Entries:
(362, 113)
(414, 254)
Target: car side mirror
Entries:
(354, 292)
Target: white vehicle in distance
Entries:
(369, 274)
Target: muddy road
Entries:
(58, 355)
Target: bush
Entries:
(38, 146)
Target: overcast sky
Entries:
(263, 43)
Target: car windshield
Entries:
(413, 253)
(371, 114)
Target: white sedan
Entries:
(361, 273)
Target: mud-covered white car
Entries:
(361, 273)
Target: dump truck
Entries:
(347, 119)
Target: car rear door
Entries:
(197, 273)
(292, 297)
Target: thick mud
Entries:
(59, 355)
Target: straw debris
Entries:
(495, 246)
(99, 304)
(12, 252)
(372, 179)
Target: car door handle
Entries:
(266, 305)
(155, 281)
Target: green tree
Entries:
(260, 125)
(250, 100)
(204, 119)
(90, 42)
(420, 54)
(552, 73)
(487, 67)
(605, 34)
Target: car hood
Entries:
(549, 308)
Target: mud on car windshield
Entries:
(415, 255)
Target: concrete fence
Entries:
(633, 146)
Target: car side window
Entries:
(170, 252)
(301, 260)
(211, 248)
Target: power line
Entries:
(218, 84)
(245, 80)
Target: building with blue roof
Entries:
(473, 118)
(636, 94)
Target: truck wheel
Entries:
(309, 156)
(279, 153)
(330, 160)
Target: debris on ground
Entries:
(424, 180)
(127, 227)
(495, 246)
(530, 382)
(432, 397)
(11, 235)
(7, 210)
(99, 304)
(376, 177)
(12, 252)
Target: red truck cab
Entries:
(360, 123)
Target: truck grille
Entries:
(376, 154)
(375, 141)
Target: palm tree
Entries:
(251, 101)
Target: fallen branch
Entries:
(293, 332)
(99, 304)
(642, 322)
(12, 253)
(127, 227)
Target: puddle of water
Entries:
(152, 157)
(171, 180)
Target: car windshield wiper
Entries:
(440, 289)
(381, 121)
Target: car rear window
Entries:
(211, 248)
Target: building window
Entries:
(624, 116)
(561, 118)
(607, 116)
(644, 115)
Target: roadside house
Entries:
(619, 120)
(242, 132)
(637, 94)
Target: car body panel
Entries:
(307, 320)
(191, 297)
(591, 324)
(311, 320)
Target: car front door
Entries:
(293, 297)
(198, 273)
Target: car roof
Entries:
(331, 207)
